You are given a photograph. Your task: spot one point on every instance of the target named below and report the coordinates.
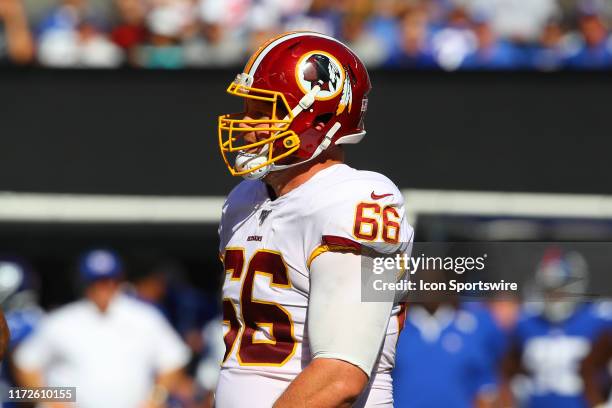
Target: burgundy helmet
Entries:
(317, 91)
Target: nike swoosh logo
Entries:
(375, 196)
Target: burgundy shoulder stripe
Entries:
(335, 241)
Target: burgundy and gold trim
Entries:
(332, 243)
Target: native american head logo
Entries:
(323, 69)
(319, 70)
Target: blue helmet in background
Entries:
(561, 279)
(18, 283)
(19, 286)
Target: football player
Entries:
(293, 233)
(19, 285)
(450, 342)
(553, 336)
(447, 345)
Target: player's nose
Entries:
(255, 135)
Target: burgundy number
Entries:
(229, 318)
(367, 227)
(267, 335)
(371, 223)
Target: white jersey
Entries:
(267, 247)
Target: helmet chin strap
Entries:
(320, 149)
(307, 101)
(252, 160)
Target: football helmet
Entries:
(561, 280)
(314, 93)
(18, 284)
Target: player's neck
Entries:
(283, 182)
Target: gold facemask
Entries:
(232, 127)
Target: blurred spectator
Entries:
(366, 45)
(73, 36)
(595, 51)
(117, 351)
(491, 52)
(219, 40)
(57, 34)
(453, 42)
(322, 17)
(414, 48)
(383, 23)
(520, 21)
(16, 44)
(264, 22)
(285, 9)
(231, 14)
(550, 53)
(95, 49)
(214, 46)
(166, 24)
(130, 30)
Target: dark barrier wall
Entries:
(145, 132)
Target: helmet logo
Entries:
(323, 69)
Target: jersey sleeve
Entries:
(341, 326)
(361, 214)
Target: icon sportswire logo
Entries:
(375, 196)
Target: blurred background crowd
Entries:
(135, 332)
(414, 34)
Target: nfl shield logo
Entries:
(264, 214)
